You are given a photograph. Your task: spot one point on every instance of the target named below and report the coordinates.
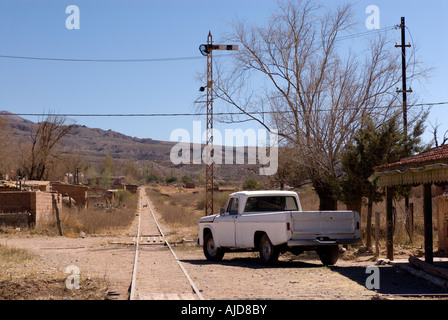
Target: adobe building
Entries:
(38, 207)
(75, 191)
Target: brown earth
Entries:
(106, 264)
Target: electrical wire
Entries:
(413, 55)
(342, 38)
(365, 33)
(201, 113)
(102, 60)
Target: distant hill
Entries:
(95, 145)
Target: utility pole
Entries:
(404, 90)
(207, 50)
(403, 47)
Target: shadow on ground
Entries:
(392, 280)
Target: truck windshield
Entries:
(232, 208)
(270, 203)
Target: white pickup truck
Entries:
(273, 222)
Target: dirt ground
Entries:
(106, 272)
(106, 263)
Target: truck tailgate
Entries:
(325, 225)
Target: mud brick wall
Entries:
(76, 192)
(39, 204)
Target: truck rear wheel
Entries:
(268, 252)
(212, 252)
(328, 255)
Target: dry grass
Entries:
(14, 255)
(105, 221)
(99, 220)
(177, 209)
(183, 207)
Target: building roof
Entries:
(427, 167)
(438, 154)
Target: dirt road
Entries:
(238, 276)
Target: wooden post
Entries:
(442, 222)
(427, 220)
(409, 221)
(58, 220)
(377, 234)
(389, 224)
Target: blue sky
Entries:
(119, 29)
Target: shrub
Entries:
(251, 184)
(171, 180)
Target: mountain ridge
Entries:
(95, 145)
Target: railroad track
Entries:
(158, 274)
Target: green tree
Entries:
(106, 180)
(251, 184)
(373, 146)
(186, 179)
(152, 178)
(131, 171)
(171, 180)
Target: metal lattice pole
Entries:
(209, 145)
(207, 50)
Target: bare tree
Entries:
(294, 76)
(5, 147)
(435, 129)
(41, 150)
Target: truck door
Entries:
(225, 228)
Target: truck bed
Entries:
(324, 227)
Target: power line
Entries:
(202, 114)
(341, 38)
(365, 33)
(102, 60)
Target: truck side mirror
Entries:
(221, 211)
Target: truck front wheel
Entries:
(268, 252)
(328, 255)
(212, 252)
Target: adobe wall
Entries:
(39, 204)
(77, 192)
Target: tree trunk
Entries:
(327, 198)
(355, 205)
